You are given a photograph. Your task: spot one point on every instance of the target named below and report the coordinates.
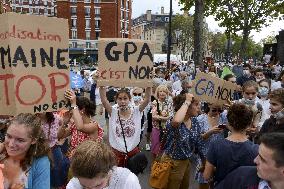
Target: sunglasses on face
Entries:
(137, 94)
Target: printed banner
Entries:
(125, 62)
(34, 66)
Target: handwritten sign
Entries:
(125, 62)
(212, 89)
(34, 67)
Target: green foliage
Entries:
(237, 15)
(269, 39)
(218, 44)
(183, 24)
(253, 49)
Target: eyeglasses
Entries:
(137, 94)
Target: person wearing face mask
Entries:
(247, 76)
(124, 123)
(175, 75)
(276, 120)
(250, 99)
(259, 75)
(263, 91)
(280, 83)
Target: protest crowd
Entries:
(231, 141)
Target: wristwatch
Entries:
(73, 107)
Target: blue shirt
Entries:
(181, 141)
(226, 156)
(39, 174)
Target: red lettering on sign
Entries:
(5, 78)
(39, 81)
(54, 87)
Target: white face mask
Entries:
(246, 72)
(279, 115)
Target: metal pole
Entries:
(170, 37)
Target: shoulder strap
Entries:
(122, 132)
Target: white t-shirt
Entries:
(276, 85)
(265, 112)
(177, 86)
(131, 128)
(121, 178)
(98, 96)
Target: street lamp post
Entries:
(170, 36)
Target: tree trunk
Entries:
(246, 31)
(198, 31)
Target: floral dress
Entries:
(164, 109)
(77, 137)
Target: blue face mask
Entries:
(249, 102)
(137, 98)
(263, 91)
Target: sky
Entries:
(141, 6)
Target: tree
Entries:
(269, 39)
(218, 44)
(183, 24)
(253, 49)
(245, 16)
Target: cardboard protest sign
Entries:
(34, 66)
(125, 62)
(212, 89)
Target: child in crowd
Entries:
(124, 115)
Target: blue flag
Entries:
(76, 81)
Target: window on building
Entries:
(87, 11)
(126, 15)
(97, 35)
(74, 23)
(97, 1)
(88, 35)
(127, 5)
(30, 10)
(45, 11)
(73, 1)
(88, 23)
(97, 24)
(74, 34)
(73, 11)
(122, 3)
(97, 11)
(88, 45)
(122, 15)
(87, 1)
(167, 19)
(74, 44)
(122, 25)
(45, 2)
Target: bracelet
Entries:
(74, 107)
(186, 103)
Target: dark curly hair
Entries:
(85, 103)
(240, 116)
(40, 148)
